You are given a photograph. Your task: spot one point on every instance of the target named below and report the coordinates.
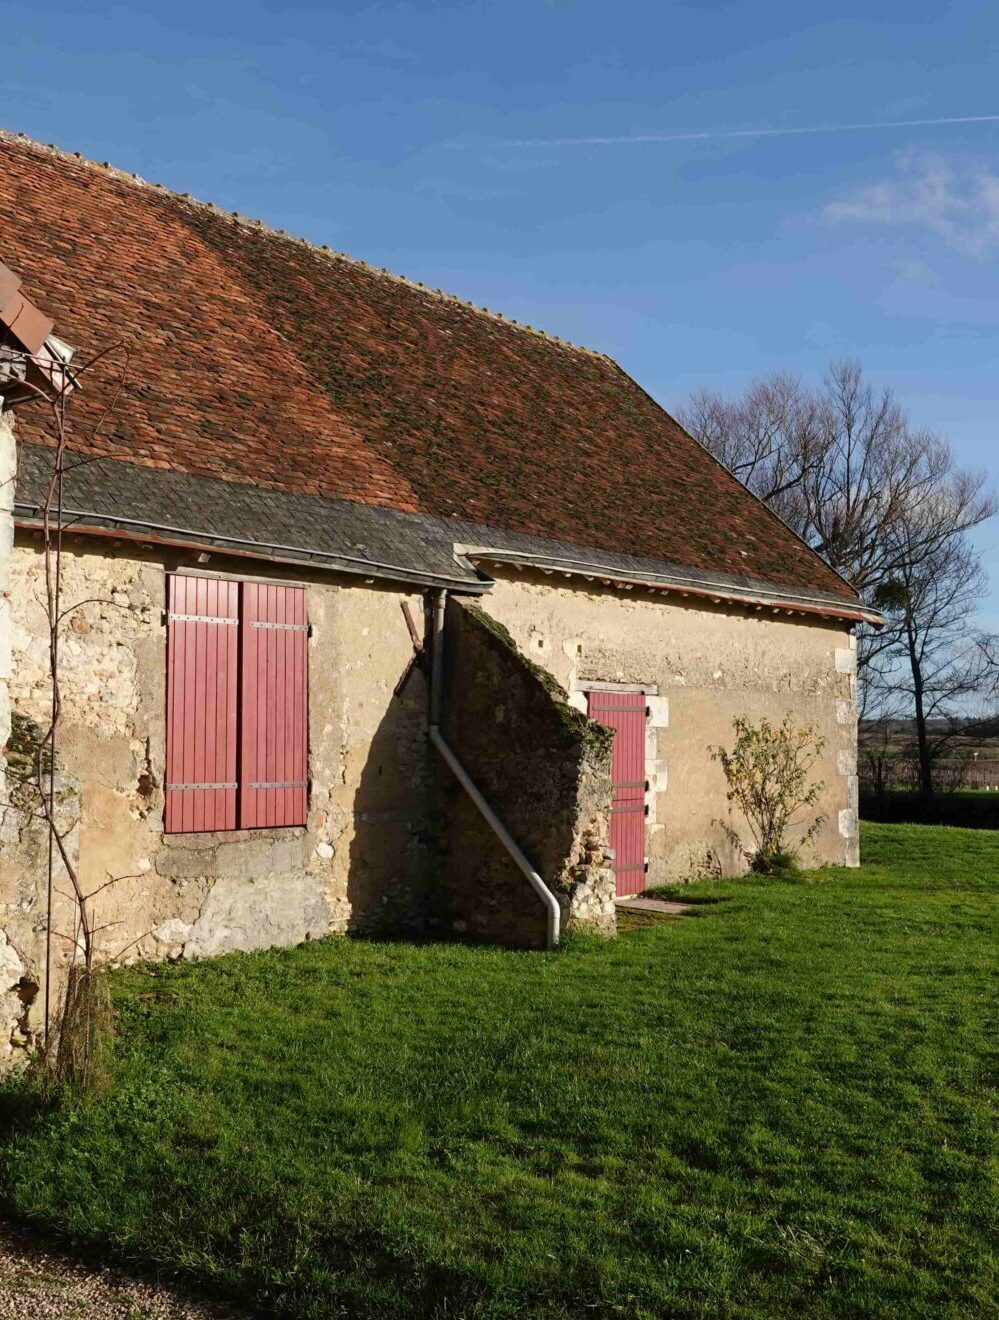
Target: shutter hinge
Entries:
(227, 620)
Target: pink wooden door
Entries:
(624, 712)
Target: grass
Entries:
(778, 1105)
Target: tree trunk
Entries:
(925, 760)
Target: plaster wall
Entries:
(12, 968)
(8, 472)
(364, 859)
(705, 665)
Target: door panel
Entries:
(624, 712)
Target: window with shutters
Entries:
(237, 705)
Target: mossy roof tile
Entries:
(258, 358)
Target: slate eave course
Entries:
(191, 511)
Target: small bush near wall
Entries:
(767, 771)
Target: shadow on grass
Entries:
(679, 894)
(46, 1252)
(366, 1270)
(24, 1102)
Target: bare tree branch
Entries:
(45, 773)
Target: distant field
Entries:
(781, 1105)
(965, 808)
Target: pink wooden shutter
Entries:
(274, 727)
(624, 712)
(202, 670)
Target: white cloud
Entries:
(958, 204)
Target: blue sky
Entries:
(395, 132)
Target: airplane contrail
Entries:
(709, 134)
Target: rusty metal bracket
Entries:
(419, 658)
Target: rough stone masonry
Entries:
(546, 770)
(386, 848)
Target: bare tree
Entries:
(844, 467)
(934, 659)
(772, 439)
(884, 503)
(879, 754)
(988, 644)
(886, 495)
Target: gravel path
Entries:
(39, 1284)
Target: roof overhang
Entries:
(115, 500)
(79, 522)
(126, 502)
(759, 597)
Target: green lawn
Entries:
(780, 1105)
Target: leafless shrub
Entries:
(767, 771)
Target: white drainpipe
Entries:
(554, 912)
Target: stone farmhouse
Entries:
(357, 576)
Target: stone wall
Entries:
(545, 770)
(12, 969)
(364, 861)
(702, 665)
(8, 472)
(373, 855)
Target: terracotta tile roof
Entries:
(128, 501)
(258, 358)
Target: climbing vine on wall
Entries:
(73, 1027)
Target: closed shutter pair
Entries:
(237, 705)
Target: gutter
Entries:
(553, 911)
(780, 602)
(133, 529)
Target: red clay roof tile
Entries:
(259, 358)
